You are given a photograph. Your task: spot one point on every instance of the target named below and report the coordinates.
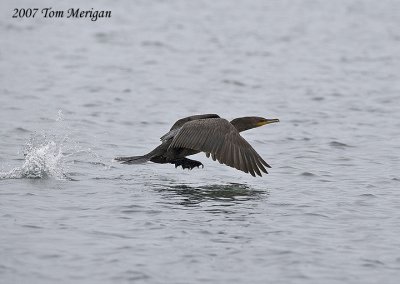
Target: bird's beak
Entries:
(267, 121)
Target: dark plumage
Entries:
(211, 134)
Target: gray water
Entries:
(75, 93)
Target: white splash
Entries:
(60, 115)
(45, 160)
(48, 155)
(44, 157)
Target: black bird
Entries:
(210, 134)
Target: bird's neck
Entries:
(241, 124)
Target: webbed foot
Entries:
(187, 164)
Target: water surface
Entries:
(75, 93)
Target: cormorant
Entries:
(210, 134)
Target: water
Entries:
(75, 93)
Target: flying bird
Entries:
(208, 133)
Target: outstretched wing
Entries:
(179, 123)
(218, 137)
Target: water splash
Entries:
(44, 161)
(49, 154)
(52, 152)
(60, 115)
(44, 158)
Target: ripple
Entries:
(50, 256)
(90, 105)
(316, 215)
(372, 263)
(131, 276)
(21, 129)
(111, 234)
(339, 145)
(369, 195)
(307, 174)
(103, 37)
(234, 82)
(32, 226)
(157, 44)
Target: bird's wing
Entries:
(169, 135)
(179, 123)
(220, 139)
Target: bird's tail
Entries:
(134, 159)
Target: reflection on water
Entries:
(224, 194)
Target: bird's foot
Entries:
(188, 164)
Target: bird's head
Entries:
(249, 122)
